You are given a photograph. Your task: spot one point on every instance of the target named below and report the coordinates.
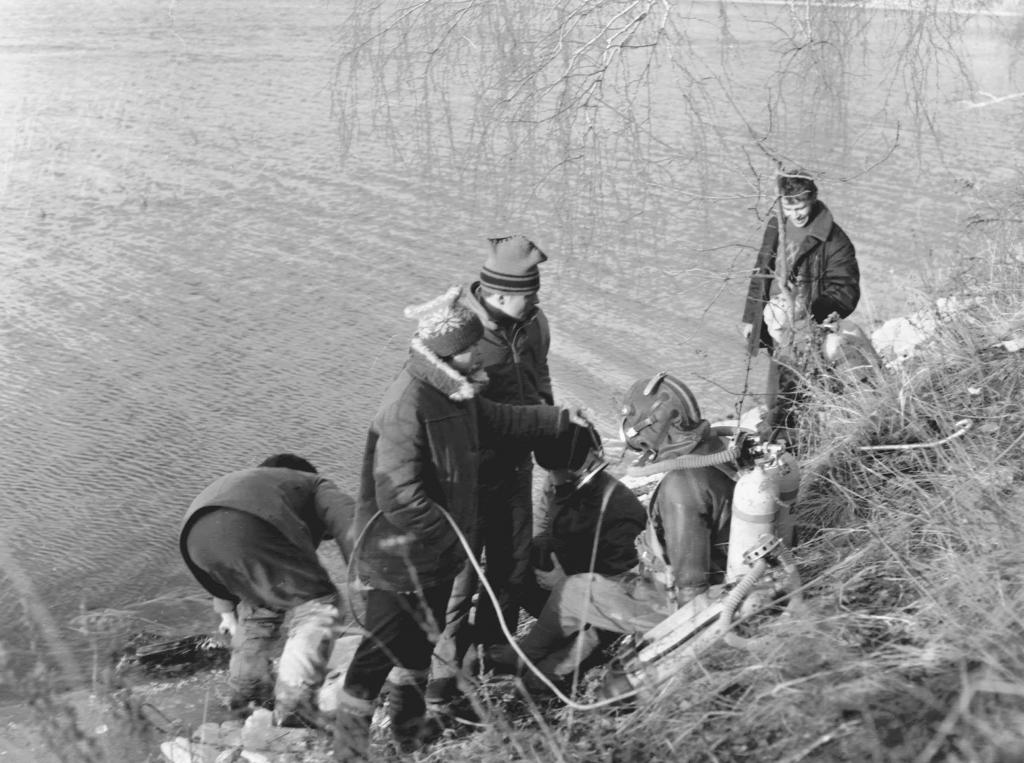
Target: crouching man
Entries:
(591, 520)
(250, 539)
(682, 549)
(417, 513)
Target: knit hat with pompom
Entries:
(446, 326)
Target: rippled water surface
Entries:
(192, 278)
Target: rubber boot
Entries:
(314, 627)
(252, 649)
(352, 729)
(411, 727)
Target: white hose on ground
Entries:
(509, 636)
(962, 427)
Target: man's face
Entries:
(518, 307)
(797, 209)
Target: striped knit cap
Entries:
(512, 265)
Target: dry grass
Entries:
(911, 646)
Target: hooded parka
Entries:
(423, 455)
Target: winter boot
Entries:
(352, 729)
(252, 649)
(411, 727)
(314, 628)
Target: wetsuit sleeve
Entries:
(685, 507)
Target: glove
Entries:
(578, 416)
(548, 579)
(228, 624)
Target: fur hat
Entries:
(511, 267)
(446, 326)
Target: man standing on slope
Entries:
(514, 353)
(822, 281)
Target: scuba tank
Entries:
(762, 503)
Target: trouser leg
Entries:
(455, 639)
(507, 518)
(314, 628)
(564, 660)
(547, 634)
(252, 650)
(397, 636)
(410, 725)
(618, 605)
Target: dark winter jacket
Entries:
(824, 269)
(574, 516)
(423, 455)
(514, 354)
(305, 508)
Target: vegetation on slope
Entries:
(910, 643)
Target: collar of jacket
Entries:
(492, 319)
(821, 224)
(429, 368)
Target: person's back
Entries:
(250, 539)
(286, 498)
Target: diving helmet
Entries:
(652, 407)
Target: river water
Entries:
(195, 275)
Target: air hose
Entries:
(688, 461)
(747, 584)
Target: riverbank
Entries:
(909, 645)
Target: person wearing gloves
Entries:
(417, 513)
(250, 539)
